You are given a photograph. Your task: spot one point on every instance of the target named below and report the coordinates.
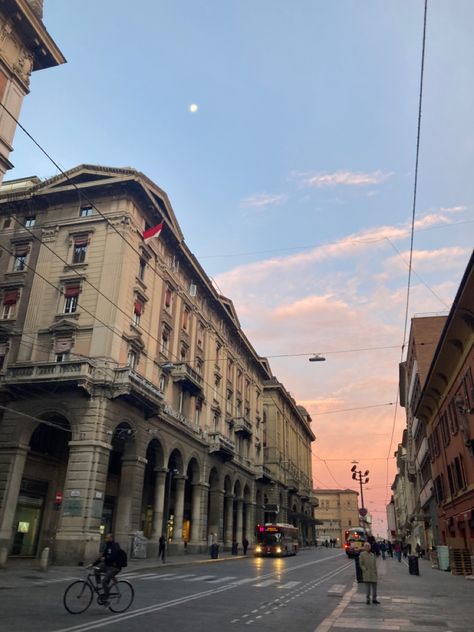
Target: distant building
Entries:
(337, 511)
(25, 46)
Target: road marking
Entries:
(147, 575)
(267, 582)
(289, 585)
(55, 581)
(184, 576)
(199, 578)
(220, 580)
(331, 619)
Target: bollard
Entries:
(3, 556)
(44, 561)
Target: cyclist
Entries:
(109, 564)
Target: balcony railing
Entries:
(243, 426)
(45, 371)
(221, 445)
(184, 373)
(426, 493)
(262, 472)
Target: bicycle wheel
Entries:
(121, 596)
(77, 597)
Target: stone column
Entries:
(238, 531)
(197, 535)
(129, 499)
(229, 514)
(216, 502)
(12, 465)
(250, 523)
(158, 504)
(78, 534)
(178, 509)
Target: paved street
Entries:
(313, 592)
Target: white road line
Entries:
(289, 585)
(220, 580)
(55, 581)
(149, 577)
(200, 578)
(247, 580)
(267, 582)
(146, 575)
(183, 576)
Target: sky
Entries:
(291, 176)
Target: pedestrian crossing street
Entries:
(212, 580)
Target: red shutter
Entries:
(10, 297)
(72, 290)
(81, 240)
(21, 250)
(138, 308)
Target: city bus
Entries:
(276, 539)
(355, 539)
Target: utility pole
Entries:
(363, 480)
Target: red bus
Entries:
(276, 539)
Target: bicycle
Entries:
(78, 595)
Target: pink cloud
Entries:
(340, 178)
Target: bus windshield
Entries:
(269, 538)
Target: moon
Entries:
(193, 107)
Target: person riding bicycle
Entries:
(108, 565)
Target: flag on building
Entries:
(150, 233)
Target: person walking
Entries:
(162, 549)
(390, 548)
(397, 549)
(245, 545)
(368, 564)
(383, 548)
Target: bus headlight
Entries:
(278, 549)
(258, 549)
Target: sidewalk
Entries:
(434, 601)
(22, 573)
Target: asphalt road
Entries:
(295, 593)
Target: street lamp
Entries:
(363, 480)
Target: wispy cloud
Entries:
(340, 178)
(263, 200)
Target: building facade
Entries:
(131, 399)
(446, 406)
(337, 511)
(25, 46)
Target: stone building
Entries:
(131, 399)
(337, 511)
(421, 522)
(446, 406)
(25, 46)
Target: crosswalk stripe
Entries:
(167, 576)
(184, 576)
(148, 577)
(267, 582)
(247, 580)
(221, 580)
(201, 577)
(289, 585)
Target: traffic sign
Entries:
(363, 512)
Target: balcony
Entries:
(242, 426)
(292, 483)
(221, 446)
(189, 378)
(262, 472)
(138, 390)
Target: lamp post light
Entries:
(362, 478)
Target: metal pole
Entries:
(361, 489)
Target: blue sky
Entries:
(293, 180)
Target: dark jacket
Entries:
(110, 554)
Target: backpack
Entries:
(121, 558)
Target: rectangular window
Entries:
(71, 296)
(141, 269)
(168, 298)
(3, 354)
(453, 417)
(10, 299)
(80, 248)
(86, 211)
(30, 221)
(62, 357)
(132, 359)
(452, 489)
(459, 473)
(200, 335)
(137, 312)
(186, 319)
(165, 340)
(468, 386)
(445, 428)
(435, 436)
(21, 255)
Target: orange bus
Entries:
(276, 539)
(355, 540)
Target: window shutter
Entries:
(10, 297)
(72, 290)
(81, 240)
(138, 308)
(62, 345)
(21, 250)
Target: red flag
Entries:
(149, 234)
